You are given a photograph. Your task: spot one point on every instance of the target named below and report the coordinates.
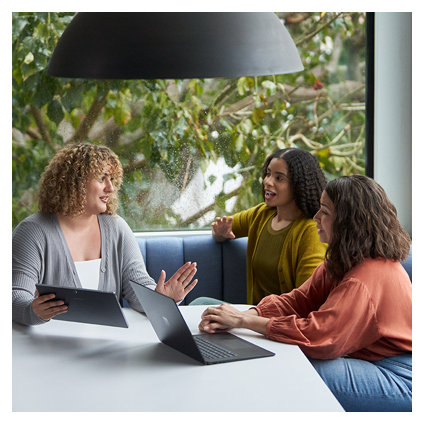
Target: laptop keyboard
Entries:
(211, 350)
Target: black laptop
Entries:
(87, 305)
(173, 331)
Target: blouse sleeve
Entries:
(300, 301)
(343, 324)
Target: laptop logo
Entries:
(166, 321)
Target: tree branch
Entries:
(292, 18)
(186, 174)
(319, 29)
(134, 166)
(87, 123)
(41, 125)
(223, 95)
(34, 134)
(209, 208)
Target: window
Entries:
(192, 149)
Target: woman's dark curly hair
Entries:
(63, 182)
(305, 175)
(365, 225)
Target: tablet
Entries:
(87, 305)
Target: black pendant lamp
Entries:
(146, 45)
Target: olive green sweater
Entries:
(301, 253)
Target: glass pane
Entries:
(191, 149)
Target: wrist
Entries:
(252, 321)
(245, 318)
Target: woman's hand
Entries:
(222, 229)
(221, 318)
(225, 317)
(45, 309)
(178, 286)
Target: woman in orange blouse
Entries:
(353, 316)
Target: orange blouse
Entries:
(368, 315)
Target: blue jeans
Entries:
(361, 386)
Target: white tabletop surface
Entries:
(65, 366)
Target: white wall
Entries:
(393, 110)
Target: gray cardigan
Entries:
(41, 255)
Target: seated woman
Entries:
(353, 317)
(77, 240)
(283, 246)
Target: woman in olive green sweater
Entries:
(283, 244)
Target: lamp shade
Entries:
(154, 45)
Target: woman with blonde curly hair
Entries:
(353, 317)
(78, 240)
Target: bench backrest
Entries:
(221, 266)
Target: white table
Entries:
(64, 366)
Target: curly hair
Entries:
(305, 175)
(62, 186)
(365, 225)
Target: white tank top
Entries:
(88, 272)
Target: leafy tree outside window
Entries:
(191, 149)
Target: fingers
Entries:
(183, 269)
(222, 222)
(45, 296)
(187, 276)
(161, 281)
(214, 310)
(211, 327)
(224, 219)
(185, 273)
(40, 299)
(222, 229)
(190, 271)
(220, 318)
(211, 315)
(179, 285)
(45, 307)
(207, 311)
(54, 311)
(188, 288)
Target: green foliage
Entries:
(166, 130)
